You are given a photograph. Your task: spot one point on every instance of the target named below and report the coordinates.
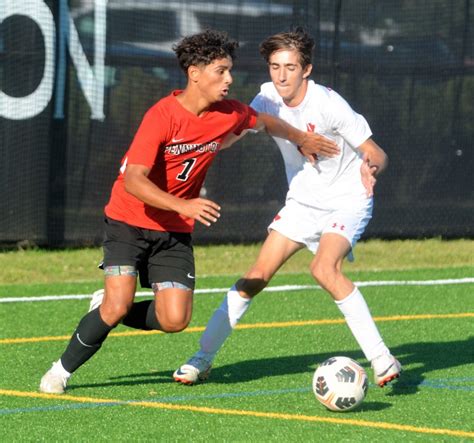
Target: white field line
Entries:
(282, 288)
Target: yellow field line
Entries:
(284, 324)
(240, 412)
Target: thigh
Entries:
(349, 225)
(332, 250)
(275, 251)
(118, 297)
(174, 307)
(300, 223)
(124, 248)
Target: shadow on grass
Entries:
(418, 359)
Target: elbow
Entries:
(129, 183)
(384, 160)
(135, 180)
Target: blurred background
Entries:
(76, 78)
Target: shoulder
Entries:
(321, 92)
(269, 91)
(164, 106)
(327, 100)
(267, 100)
(230, 105)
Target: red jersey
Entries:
(178, 147)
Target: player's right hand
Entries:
(315, 145)
(203, 210)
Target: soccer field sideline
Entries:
(280, 288)
(241, 412)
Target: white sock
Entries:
(224, 319)
(58, 368)
(362, 325)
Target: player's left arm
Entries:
(374, 162)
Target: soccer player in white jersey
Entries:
(328, 206)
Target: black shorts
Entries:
(158, 256)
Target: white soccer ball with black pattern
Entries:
(340, 384)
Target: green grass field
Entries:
(260, 386)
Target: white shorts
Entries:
(305, 224)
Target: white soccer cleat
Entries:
(386, 369)
(196, 369)
(96, 300)
(55, 380)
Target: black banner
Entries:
(76, 78)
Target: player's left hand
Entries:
(367, 176)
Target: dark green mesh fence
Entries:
(76, 78)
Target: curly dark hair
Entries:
(297, 39)
(204, 48)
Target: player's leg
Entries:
(326, 268)
(274, 252)
(120, 282)
(173, 306)
(169, 270)
(91, 331)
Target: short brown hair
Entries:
(298, 40)
(204, 48)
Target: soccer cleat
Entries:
(55, 380)
(386, 369)
(196, 369)
(96, 299)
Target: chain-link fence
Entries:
(76, 78)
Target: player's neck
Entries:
(298, 98)
(193, 102)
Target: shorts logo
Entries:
(341, 227)
(277, 217)
(190, 276)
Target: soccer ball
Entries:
(340, 384)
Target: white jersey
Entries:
(333, 182)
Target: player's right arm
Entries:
(310, 144)
(140, 186)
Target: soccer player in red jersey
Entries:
(155, 200)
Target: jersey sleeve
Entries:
(150, 135)
(248, 117)
(352, 126)
(259, 103)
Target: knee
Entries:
(113, 312)
(323, 272)
(174, 323)
(170, 327)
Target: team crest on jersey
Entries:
(310, 127)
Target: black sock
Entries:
(86, 340)
(142, 316)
